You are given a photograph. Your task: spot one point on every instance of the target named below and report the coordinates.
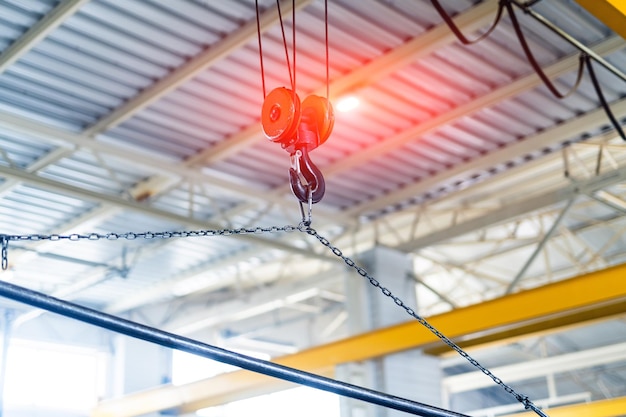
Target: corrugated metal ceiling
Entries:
(144, 115)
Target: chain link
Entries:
(362, 272)
(5, 252)
(152, 235)
(4, 239)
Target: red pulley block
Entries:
(280, 115)
(319, 110)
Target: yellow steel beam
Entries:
(578, 318)
(610, 12)
(571, 298)
(613, 407)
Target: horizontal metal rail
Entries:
(173, 341)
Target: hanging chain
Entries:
(153, 235)
(304, 227)
(5, 251)
(528, 404)
(4, 239)
(306, 216)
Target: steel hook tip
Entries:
(314, 186)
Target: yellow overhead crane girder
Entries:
(610, 12)
(594, 296)
(605, 408)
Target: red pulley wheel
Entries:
(320, 109)
(280, 115)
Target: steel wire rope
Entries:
(293, 42)
(327, 55)
(258, 32)
(292, 76)
(455, 29)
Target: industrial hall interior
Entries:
(338, 208)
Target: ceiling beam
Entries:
(517, 208)
(557, 134)
(412, 50)
(555, 70)
(277, 196)
(473, 19)
(509, 90)
(196, 65)
(52, 185)
(38, 31)
(258, 303)
(202, 279)
(603, 287)
(159, 167)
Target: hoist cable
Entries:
(533, 62)
(603, 102)
(174, 341)
(258, 33)
(327, 54)
(293, 44)
(455, 29)
(286, 47)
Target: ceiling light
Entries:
(347, 103)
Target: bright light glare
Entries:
(40, 378)
(347, 103)
(187, 368)
(305, 401)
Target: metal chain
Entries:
(528, 404)
(153, 235)
(305, 227)
(136, 235)
(5, 252)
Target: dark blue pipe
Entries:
(173, 341)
